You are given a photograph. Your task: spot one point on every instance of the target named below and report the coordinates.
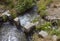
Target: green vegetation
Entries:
(13, 13)
(46, 26)
(42, 4)
(23, 5)
(8, 3)
(19, 5)
(55, 32)
(35, 19)
(4, 18)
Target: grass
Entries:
(23, 5)
(55, 32)
(35, 37)
(45, 26)
(42, 4)
(19, 5)
(35, 19)
(13, 13)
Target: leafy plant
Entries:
(45, 26)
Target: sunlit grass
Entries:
(42, 5)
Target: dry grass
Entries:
(37, 38)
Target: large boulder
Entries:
(29, 27)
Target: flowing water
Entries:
(10, 32)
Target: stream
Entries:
(9, 32)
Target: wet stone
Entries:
(30, 26)
(43, 34)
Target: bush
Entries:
(23, 5)
(19, 5)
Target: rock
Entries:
(6, 13)
(2, 8)
(17, 23)
(16, 19)
(54, 21)
(30, 26)
(43, 34)
(6, 16)
(54, 38)
(53, 13)
(1, 11)
(50, 18)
